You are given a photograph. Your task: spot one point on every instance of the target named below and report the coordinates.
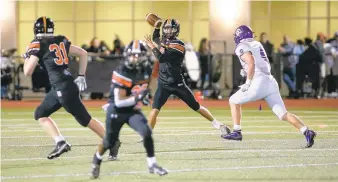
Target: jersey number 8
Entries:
(60, 53)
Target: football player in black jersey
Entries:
(51, 53)
(170, 52)
(129, 86)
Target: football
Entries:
(154, 20)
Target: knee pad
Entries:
(280, 113)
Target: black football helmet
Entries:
(43, 26)
(135, 53)
(170, 29)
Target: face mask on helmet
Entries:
(169, 31)
(133, 60)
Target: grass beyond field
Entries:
(186, 144)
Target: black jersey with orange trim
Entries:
(53, 56)
(132, 80)
(171, 59)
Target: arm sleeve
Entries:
(123, 102)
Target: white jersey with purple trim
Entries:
(257, 50)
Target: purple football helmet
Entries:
(243, 32)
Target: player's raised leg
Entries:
(186, 95)
(139, 123)
(49, 105)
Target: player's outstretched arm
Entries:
(30, 64)
(78, 51)
(156, 36)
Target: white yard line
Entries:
(22, 127)
(182, 152)
(170, 171)
(176, 142)
(182, 110)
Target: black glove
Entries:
(142, 95)
(146, 100)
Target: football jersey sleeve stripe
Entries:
(121, 80)
(34, 45)
(177, 46)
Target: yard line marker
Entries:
(170, 171)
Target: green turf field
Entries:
(185, 144)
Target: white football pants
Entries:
(262, 87)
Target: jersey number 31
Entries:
(60, 53)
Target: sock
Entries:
(99, 156)
(151, 161)
(59, 138)
(216, 124)
(237, 127)
(303, 129)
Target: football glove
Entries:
(243, 73)
(245, 87)
(142, 95)
(81, 83)
(146, 100)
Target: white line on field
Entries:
(182, 110)
(176, 142)
(191, 132)
(170, 171)
(188, 151)
(21, 126)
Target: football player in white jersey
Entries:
(260, 84)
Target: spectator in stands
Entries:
(289, 65)
(332, 63)
(96, 47)
(298, 50)
(118, 47)
(309, 64)
(204, 56)
(268, 46)
(319, 43)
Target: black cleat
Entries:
(114, 151)
(310, 136)
(96, 166)
(158, 170)
(61, 147)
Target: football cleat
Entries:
(96, 166)
(235, 135)
(225, 130)
(309, 136)
(61, 147)
(114, 151)
(155, 168)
